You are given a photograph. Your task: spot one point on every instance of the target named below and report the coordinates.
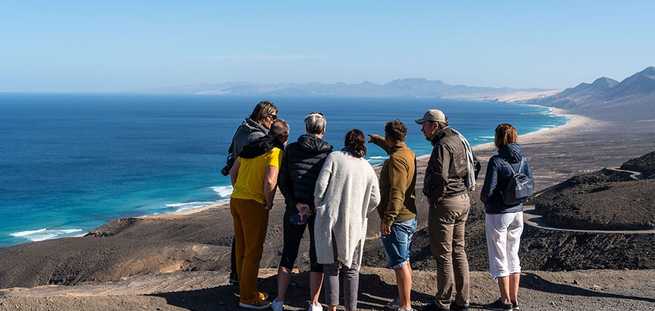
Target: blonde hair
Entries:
(262, 110)
(505, 134)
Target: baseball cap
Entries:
(432, 115)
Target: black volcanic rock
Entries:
(603, 200)
(644, 164)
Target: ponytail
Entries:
(355, 143)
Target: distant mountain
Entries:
(605, 98)
(396, 88)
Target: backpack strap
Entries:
(512, 168)
(521, 165)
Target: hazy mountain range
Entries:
(395, 88)
(605, 98)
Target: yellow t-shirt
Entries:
(250, 179)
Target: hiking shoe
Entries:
(277, 305)
(260, 302)
(393, 305)
(315, 307)
(433, 306)
(515, 306)
(455, 307)
(234, 281)
(500, 305)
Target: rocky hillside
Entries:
(605, 98)
(604, 200)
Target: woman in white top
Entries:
(346, 191)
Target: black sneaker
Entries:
(515, 306)
(433, 306)
(500, 305)
(455, 307)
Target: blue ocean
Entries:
(69, 163)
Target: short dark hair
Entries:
(505, 134)
(355, 143)
(262, 110)
(395, 130)
(279, 131)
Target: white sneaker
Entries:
(315, 307)
(277, 305)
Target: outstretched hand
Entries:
(373, 137)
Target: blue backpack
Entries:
(519, 188)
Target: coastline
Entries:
(201, 240)
(543, 135)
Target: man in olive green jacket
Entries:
(397, 208)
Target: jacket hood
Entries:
(260, 146)
(313, 145)
(511, 152)
(254, 126)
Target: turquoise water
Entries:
(70, 163)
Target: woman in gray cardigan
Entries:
(346, 191)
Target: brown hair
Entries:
(280, 131)
(355, 143)
(505, 134)
(263, 109)
(395, 130)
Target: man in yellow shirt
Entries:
(254, 178)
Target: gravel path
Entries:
(534, 220)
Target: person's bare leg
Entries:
(282, 283)
(514, 280)
(315, 284)
(404, 281)
(503, 286)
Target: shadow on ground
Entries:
(374, 293)
(535, 282)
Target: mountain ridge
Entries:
(406, 87)
(630, 99)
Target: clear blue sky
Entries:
(133, 45)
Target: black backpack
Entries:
(519, 188)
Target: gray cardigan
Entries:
(346, 191)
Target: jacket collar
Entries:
(439, 135)
(397, 146)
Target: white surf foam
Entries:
(46, 234)
(378, 157)
(181, 207)
(223, 192)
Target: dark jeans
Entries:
(292, 237)
(446, 224)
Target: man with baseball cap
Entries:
(449, 176)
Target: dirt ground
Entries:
(574, 290)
